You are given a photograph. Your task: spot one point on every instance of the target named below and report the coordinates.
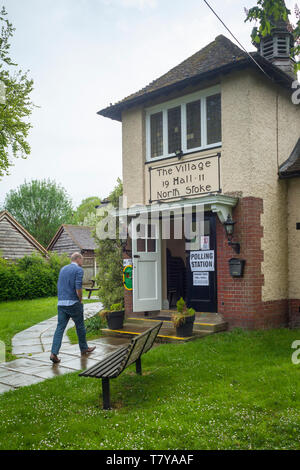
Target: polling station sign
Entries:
(202, 261)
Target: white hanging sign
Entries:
(200, 279)
(205, 243)
(127, 262)
(202, 261)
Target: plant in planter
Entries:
(183, 320)
(114, 316)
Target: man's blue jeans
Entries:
(64, 314)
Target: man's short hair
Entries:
(76, 256)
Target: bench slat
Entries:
(139, 343)
(105, 370)
(151, 338)
(99, 368)
(114, 355)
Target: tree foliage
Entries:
(15, 103)
(110, 261)
(41, 207)
(86, 210)
(268, 12)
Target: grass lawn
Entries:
(16, 316)
(236, 390)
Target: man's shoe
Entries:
(88, 350)
(54, 359)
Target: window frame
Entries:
(182, 102)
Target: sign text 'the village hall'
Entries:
(190, 178)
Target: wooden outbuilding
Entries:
(15, 241)
(76, 238)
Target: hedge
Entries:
(30, 277)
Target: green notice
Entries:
(127, 277)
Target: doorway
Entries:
(191, 273)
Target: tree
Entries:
(109, 256)
(86, 210)
(41, 207)
(268, 11)
(15, 104)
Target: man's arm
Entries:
(78, 283)
(79, 294)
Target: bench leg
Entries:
(138, 366)
(89, 296)
(106, 394)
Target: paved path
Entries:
(32, 347)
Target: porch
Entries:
(205, 324)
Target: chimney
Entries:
(277, 47)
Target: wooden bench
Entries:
(91, 289)
(115, 363)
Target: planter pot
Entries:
(186, 329)
(115, 320)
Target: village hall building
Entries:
(219, 131)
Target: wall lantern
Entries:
(229, 227)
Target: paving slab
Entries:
(5, 388)
(20, 380)
(49, 340)
(113, 341)
(79, 363)
(16, 364)
(45, 358)
(35, 348)
(45, 371)
(6, 373)
(25, 342)
(70, 349)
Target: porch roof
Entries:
(219, 203)
(291, 167)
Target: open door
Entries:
(146, 252)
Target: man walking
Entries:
(69, 305)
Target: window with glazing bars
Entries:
(156, 135)
(213, 117)
(174, 129)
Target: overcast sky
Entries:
(84, 55)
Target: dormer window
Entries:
(188, 124)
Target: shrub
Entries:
(40, 281)
(30, 260)
(56, 262)
(30, 277)
(94, 324)
(12, 285)
(116, 307)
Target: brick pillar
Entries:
(240, 299)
